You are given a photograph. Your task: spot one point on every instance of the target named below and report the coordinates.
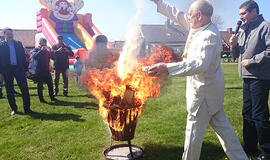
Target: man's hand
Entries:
(155, 1)
(1, 78)
(158, 70)
(27, 74)
(65, 49)
(234, 40)
(44, 48)
(245, 63)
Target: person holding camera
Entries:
(39, 68)
(60, 54)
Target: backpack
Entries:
(33, 65)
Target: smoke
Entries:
(132, 48)
(139, 6)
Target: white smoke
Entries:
(128, 57)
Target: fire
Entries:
(121, 100)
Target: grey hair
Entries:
(205, 7)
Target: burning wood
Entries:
(128, 96)
(125, 118)
(117, 101)
(121, 100)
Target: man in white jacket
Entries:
(205, 79)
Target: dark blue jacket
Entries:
(5, 56)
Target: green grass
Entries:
(73, 129)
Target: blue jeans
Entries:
(256, 126)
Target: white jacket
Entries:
(205, 78)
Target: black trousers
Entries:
(19, 74)
(1, 93)
(64, 73)
(44, 78)
(256, 127)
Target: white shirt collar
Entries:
(201, 28)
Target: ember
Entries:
(121, 100)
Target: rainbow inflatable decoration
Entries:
(59, 17)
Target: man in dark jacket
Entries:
(39, 68)
(61, 52)
(13, 65)
(252, 47)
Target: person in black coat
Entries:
(13, 65)
(39, 68)
(61, 53)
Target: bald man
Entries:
(205, 79)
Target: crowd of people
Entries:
(16, 63)
(201, 65)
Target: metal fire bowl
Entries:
(121, 152)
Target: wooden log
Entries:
(128, 97)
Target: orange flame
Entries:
(110, 90)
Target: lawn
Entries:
(71, 128)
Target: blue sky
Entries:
(112, 16)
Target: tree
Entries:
(218, 21)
